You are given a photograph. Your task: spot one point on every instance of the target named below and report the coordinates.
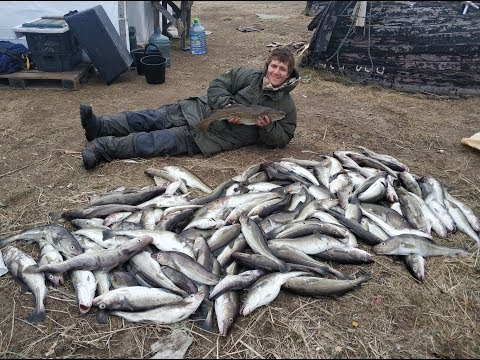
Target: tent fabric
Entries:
(473, 141)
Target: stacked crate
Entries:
(52, 45)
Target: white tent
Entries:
(122, 14)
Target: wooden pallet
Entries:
(64, 80)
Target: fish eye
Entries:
(72, 247)
(50, 276)
(230, 320)
(102, 306)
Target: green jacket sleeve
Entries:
(279, 133)
(221, 91)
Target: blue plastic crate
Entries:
(56, 62)
(62, 43)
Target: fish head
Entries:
(243, 220)
(294, 188)
(84, 300)
(388, 247)
(195, 299)
(84, 307)
(56, 279)
(252, 302)
(417, 268)
(365, 256)
(69, 246)
(199, 243)
(161, 257)
(325, 203)
(139, 243)
(99, 302)
(224, 325)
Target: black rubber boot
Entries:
(89, 121)
(91, 157)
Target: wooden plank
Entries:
(175, 8)
(65, 80)
(180, 18)
(171, 19)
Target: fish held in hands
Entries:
(248, 115)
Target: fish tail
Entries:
(353, 199)
(107, 234)
(339, 274)
(102, 316)
(203, 316)
(37, 315)
(55, 215)
(366, 275)
(5, 242)
(283, 267)
(462, 252)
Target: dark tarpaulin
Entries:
(314, 7)
(11, 57)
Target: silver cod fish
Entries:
(17, 261)
(165, 314)
(248, 114)
(407, 244)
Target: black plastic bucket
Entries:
(154, 68)
(138, 54)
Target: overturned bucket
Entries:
(138, 54)
(154, 68)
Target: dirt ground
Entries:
(391, 316)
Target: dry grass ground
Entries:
(391, 316)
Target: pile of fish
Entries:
(161, 254)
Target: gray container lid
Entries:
(42, 26)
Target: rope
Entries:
(348, 32)
(369, 45)
(347, 35)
